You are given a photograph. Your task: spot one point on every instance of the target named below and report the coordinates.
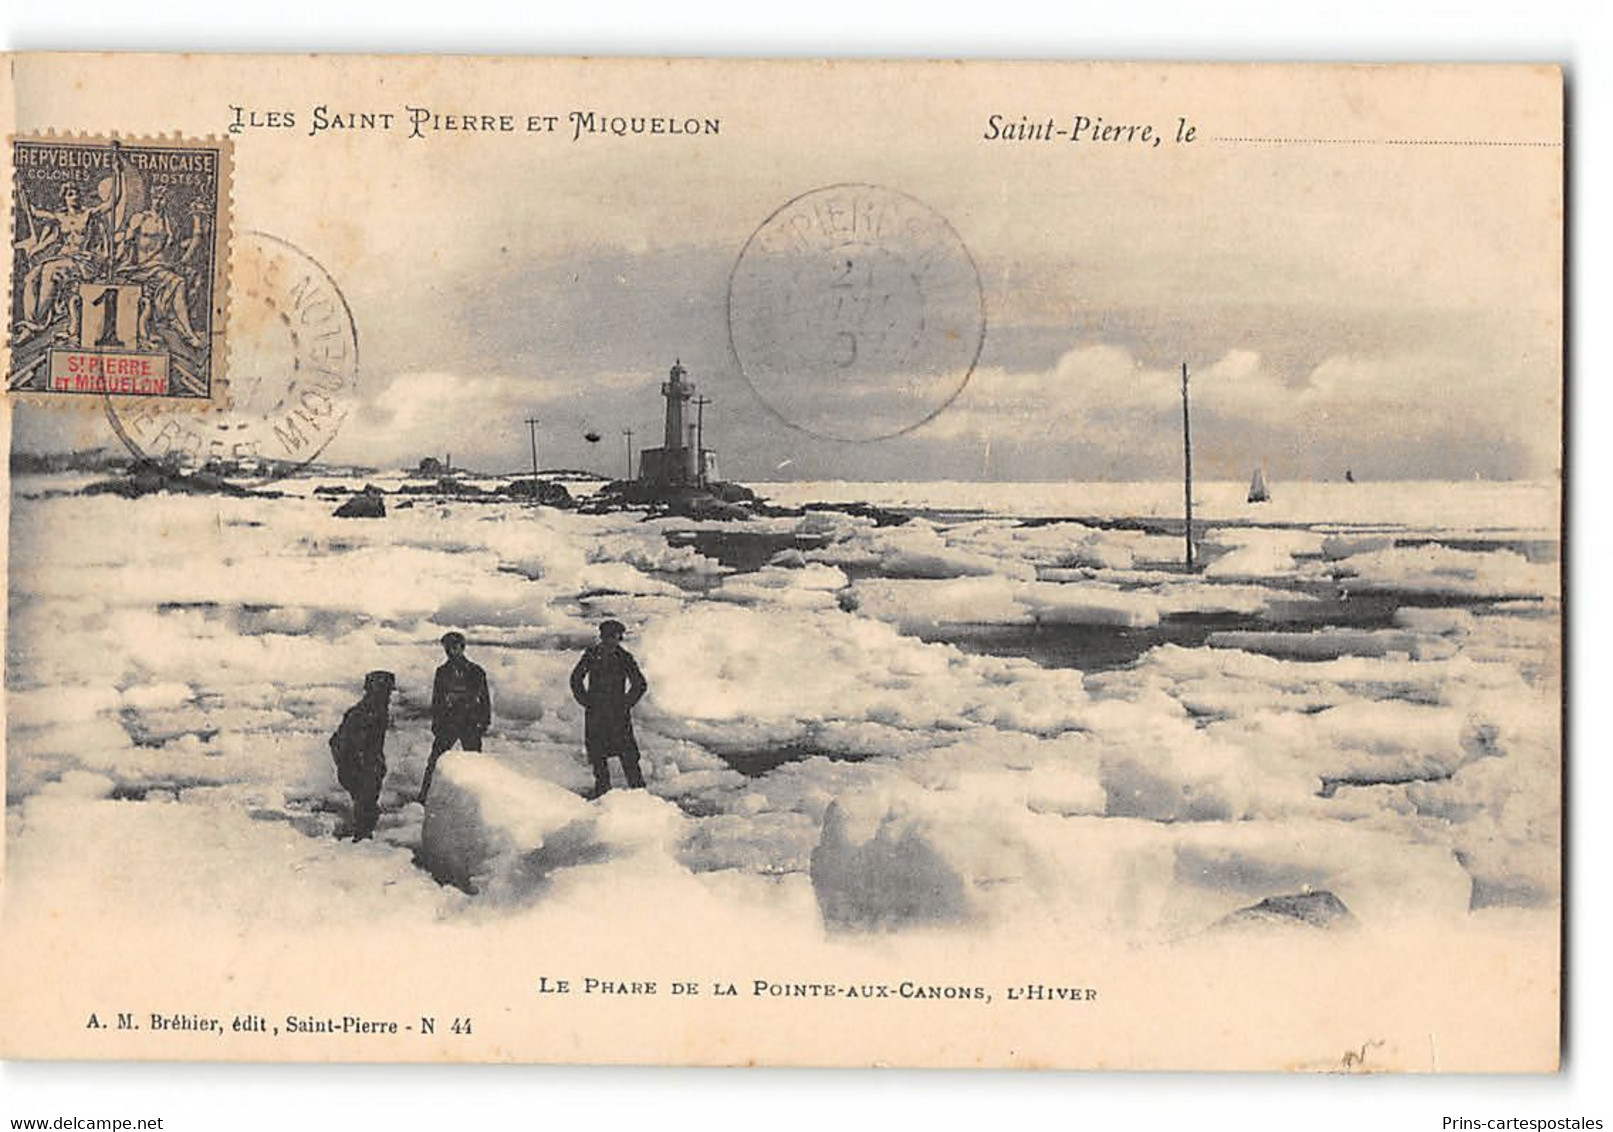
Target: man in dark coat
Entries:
(607, 682)
(461, 709)
(357, 748)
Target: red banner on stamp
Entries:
(86, 371)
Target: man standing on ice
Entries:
(358, 750)
(607, 682)
(461, 709)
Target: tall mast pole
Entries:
(1187, 469)
(532, 427)
(700, 438)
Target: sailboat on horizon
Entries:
(1257, 488)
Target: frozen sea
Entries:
(1015, 708)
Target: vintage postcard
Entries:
(784, 563)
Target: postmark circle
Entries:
(855, 312)
(292, 370)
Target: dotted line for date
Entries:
(1392, 141)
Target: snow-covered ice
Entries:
(954, 724)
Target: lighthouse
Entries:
(677, 462)
(676, 391)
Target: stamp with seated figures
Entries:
(118, 281)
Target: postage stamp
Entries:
(118, 283)
(855, 312)
(292, 366)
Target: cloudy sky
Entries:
(1390, 308)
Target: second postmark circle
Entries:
(855, 312)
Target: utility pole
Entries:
(627, 432)
(700, 404)
(532, 427)
(1187, 469)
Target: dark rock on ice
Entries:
(546, 492)
(149, 479)
(882, 517)
(1319, 909)
(366, 504)
(722, 501)
(444, 485)
(733, 492)
(707, 507)
(95, 460)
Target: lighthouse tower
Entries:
(675, 463)
(676, 391)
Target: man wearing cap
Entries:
(607, 682)
(461, 709)
(357, 748)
